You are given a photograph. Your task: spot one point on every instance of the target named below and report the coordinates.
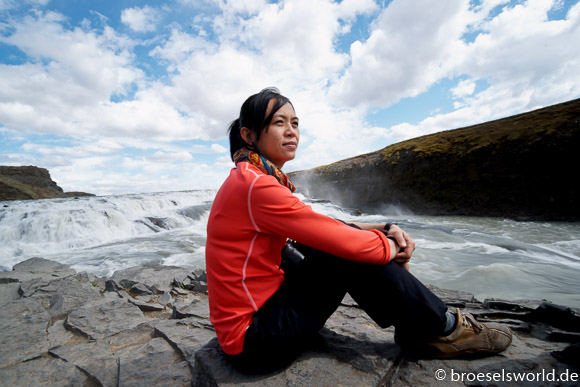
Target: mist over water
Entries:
(104, 234)
(490, 257)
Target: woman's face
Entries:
(279, 141)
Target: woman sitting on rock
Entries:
(267, 305)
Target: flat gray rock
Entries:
(42, 266)
(197, 307)
(9, 292)
(187, 335)
(106, 319)
(94, 358)
(62, 295)
(36, 268)
(324, 367)
(44, 371)
(154, 363)
(154, 276)
(23, 331)
(144, 306)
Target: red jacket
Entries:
(251, 218)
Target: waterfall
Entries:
(41, 227)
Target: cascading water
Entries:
(60, 227)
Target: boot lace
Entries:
(469, 321)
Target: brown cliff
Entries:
(30, 182)
(521, 167)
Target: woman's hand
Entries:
(405, 242)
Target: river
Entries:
(490, 257)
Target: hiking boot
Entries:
(472, 337)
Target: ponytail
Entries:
(236, 141)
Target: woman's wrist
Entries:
(389, 225)
(398, 248)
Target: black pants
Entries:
(313, 290)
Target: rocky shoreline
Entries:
(150, 326)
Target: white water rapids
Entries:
(490, 257)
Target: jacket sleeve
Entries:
(276, 211)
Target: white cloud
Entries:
(116, 174)
(495, 102)
(242, 7)
(210, 86)
(88, 63)
(464, 88)
(73, 90)
(142, 19)
(84, 150)
(412, 46)
(138, 175)
(526, 59)
(289, 45)
(91, 84)
(217, 148)
(297, 40)
(348, 9)
(179, 46)
(524, 52)
(170, 157)
(70, 74)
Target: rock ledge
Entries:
(150, 326)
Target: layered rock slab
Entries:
(59, 327)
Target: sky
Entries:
(126, 96)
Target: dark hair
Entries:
(253, 116)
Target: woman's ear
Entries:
(248, 136)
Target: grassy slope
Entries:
(518, 166)
(14, 190)
(532, 126)
(30, 184)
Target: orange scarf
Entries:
(265, 165)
